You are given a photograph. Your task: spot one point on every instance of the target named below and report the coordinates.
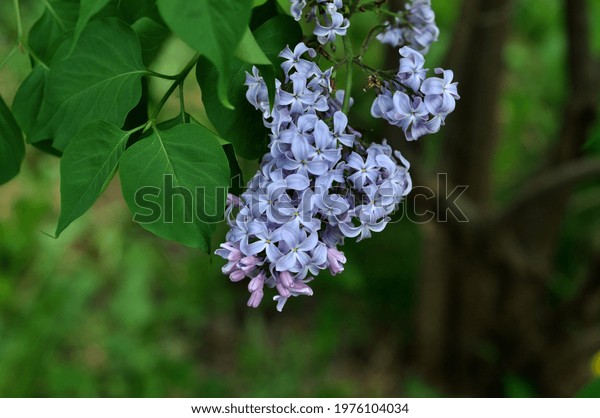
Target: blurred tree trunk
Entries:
(482, 308)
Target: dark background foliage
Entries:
(505, 305)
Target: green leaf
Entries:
(139, 114)
(87, 10)
(236, 181)
(12, 148)
(263, 13)
(186, 159)
(133, 10)
(269, 75)
(46, 146)
(152, 35)
(87, 166)
(52, 28)
(100, 80)
(275, 34)
(249, 51)
(258, 3)
(28, 100)
(243, 126)
(212, 27)
(285, 6)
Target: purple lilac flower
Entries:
(411, 72)
(293, 59)
(316, 186)
(329, 21)
(414, 27)
(334, 24)
(296, 8)
(440, 93)
(413, 102)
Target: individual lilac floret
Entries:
(296, 8)
(415, 27)
(334, 24)
(413, 102)
(293, 60)
(336, 260)
(411, 72)
(421, 29)
(440, 93)
(392, 34)
(316, 186)
(329, 21)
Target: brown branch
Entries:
(565, 176)
(471, 133)
(537, 225)
(584, 82)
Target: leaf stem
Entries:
(178, 80)
(181, 103)
(54, 14)
(372, 34)
(387, 12)
(21, 41)
(139, 128)
(349, 68)
(34, 55)
(19, 22)
(367, 7)
(339, 64)
(163, 76)
(9, 56)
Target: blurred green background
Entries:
(110, 310)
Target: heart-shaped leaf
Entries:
(175, 183)
(87, 166)
(100, 80)
(212, 27)
(12, 148)
(272, 36)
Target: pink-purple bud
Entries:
(235, 255)
(247, 263)
(301, 288)
(232, 200)
(255, 298)
(257, 282)
(286, 278)
(229, 267)
(283, 291)
(229, 252)
(237, 275)
(336, 260)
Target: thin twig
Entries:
(9, 56)
(19, 22)
(176, 83)
(54, 14)
(349, 73)
(554, 179)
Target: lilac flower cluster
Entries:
(415, 28)
(320, 182)
(417, 104)
(316, 186)
(332, 22)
